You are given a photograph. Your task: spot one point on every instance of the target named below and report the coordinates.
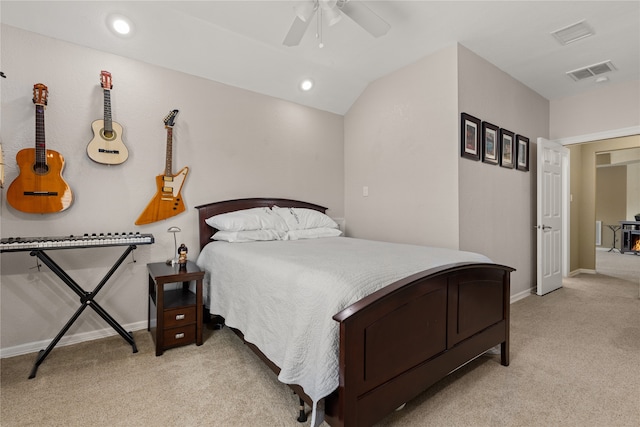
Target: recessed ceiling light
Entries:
(306, 85)
(120, 25)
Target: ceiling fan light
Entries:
(328, 4)
(305, 9)
(333, 16)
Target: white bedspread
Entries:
(283, 294)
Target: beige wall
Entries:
(400, 142)
(497, 205)
(633, 191)
(611, 200)
(576, 190)
(610, 107)
(237, 144)
(583, 193)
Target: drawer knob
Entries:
(179, 335)
(179, 316)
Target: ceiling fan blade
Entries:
(296, 32)
(366, 18)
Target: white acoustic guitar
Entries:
(106, 146)
(167, 201)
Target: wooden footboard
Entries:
(402, 339)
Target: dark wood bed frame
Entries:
(400, 340)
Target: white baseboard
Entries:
(522, 295)
(33, 347)
(582, 271)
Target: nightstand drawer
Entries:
(179, 336)
(179, 316)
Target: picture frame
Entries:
(522, 153)
(507, 149)
(470, 143)
(490, 143)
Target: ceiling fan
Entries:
(332, 11)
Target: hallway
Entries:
(624, 266)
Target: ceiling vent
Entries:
(591, 70)
(572, 33)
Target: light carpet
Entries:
(575, 361)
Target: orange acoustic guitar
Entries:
(39, 188)
(167, 201)
(107, 146)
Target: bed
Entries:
(434, 320)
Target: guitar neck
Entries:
(168, 170)
(41, 149)
(107, 111)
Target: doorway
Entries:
(617, 199)
(583, 198)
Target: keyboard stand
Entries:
(86, 300)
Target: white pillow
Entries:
(304, 219)
(248, 235)
(312, 233)
(247, 219)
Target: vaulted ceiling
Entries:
(240, 42)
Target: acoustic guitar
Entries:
(39, 188)
(106, 146)
(167, 201)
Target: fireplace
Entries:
(630, 237)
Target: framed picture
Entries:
(470, 137)
(490, 143)
(522, 151)
(507, 149)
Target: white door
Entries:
(552, 158)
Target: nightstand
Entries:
(175, 314)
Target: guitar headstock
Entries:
(40, 93)
(169, 118)
(105, 80)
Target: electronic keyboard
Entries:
(15, 244)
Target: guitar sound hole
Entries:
(40, 168)
(108, 135)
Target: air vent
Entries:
(591, 70)
(572, 33)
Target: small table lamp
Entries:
(174, 260)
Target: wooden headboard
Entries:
(215, 208)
